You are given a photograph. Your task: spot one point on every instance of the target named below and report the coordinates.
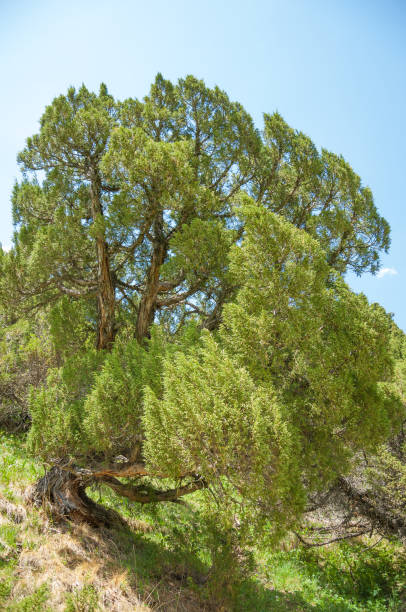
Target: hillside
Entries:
(159, 563)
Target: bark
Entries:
(106, 300)
(65, 492)
(148, 303)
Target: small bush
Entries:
(83, 600)
(32, 603)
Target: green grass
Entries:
(345, 577)
(168, 544)
(36, 602)
(16, 467)
(82, 600)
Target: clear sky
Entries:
(335, 69)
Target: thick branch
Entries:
(144, 494)
(180, 297)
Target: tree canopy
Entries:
(131, 205)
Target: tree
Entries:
(239, 362)
(127, 191)
(54, 239)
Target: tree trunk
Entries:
(147, 309)
(65, 491)
(106, 299)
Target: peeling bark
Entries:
(65, 492)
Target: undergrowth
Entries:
(163, 560)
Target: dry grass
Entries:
(58, 566)
(72, 558)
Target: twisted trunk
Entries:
(63, 488)
(65, 492)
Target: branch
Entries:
(110, 188)
(144, 494)
(382, 518)
(130, 470)
(180, 297)
(337, 539)
(74, 292)
(166, 286)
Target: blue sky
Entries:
(334, 69)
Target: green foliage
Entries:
(353, 569)
(5, 589)
(8, 535)
(123, 202)
(200, 249)
(83, 600)
(15, 465)
(113, 409)
(290, 396)
(94, 402)
(32, 603)
(71, 325)
(296, 325)
(57, 407)
(141, 223)
(213, 420)
(384, 471)
(189, 547)
(319, 192)
(346, 577)
(26, 354)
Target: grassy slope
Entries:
(159, 561)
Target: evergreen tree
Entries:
(207, 257)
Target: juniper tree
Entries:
(239, 362)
